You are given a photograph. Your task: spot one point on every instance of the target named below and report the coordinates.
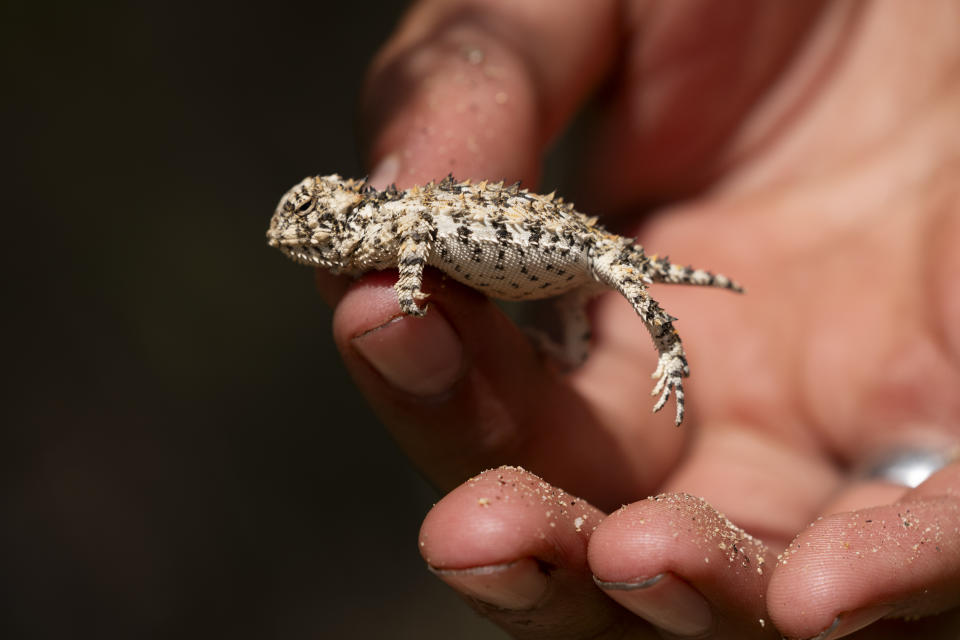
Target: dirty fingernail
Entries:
(846, 623)
(664, 601)
(420, 356)
(515, 586)
(385, 172)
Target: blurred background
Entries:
(184, 454)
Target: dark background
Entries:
(184, 454)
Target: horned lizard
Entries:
(501, 240)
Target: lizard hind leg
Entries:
(566, 338)
(672, 362)
(576, 332)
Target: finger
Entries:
(684, 567)
(479, 89)
(331, 288)
(889, 464)
(463, 389)
(692, 76)
(751, 476)
(516, 548)
(848, 570)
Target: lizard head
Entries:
(310, 224)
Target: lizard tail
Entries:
(662, 270)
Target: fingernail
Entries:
(664, 601)
(385, 173)
(420, 356)
(515, 586)
(846, 623)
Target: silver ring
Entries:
(906, 467)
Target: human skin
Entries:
(808, 150)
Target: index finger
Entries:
(478, 89)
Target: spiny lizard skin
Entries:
(501, 240)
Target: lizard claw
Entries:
(671, 369)
(409, 302)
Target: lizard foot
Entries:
(671, 369)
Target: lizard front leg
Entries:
(416, 238)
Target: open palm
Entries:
(780, 144)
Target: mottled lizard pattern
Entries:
(501, 240)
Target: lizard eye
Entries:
(304, 206)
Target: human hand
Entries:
(786, 145)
